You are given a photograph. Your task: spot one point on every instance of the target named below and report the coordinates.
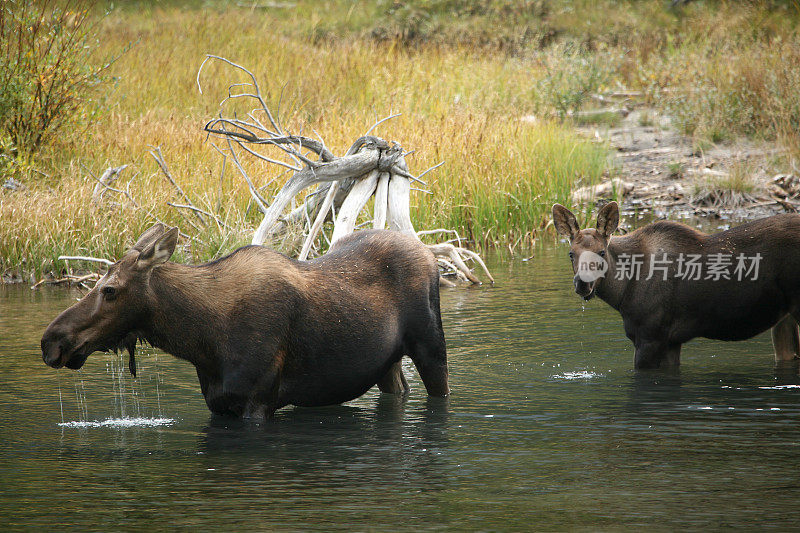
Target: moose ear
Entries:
(565, 222)
(149, 236)
(159, 250)
(608, 219)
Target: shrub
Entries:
(471, 23)
(48, 73)
(571, 76)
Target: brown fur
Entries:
(660, 315)
(264, 330)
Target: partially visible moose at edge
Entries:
(263, 330)
(670, 308)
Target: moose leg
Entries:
(251, 392)
(672, 359)
(656, 354)
(263, 403)
(430, 358)
(785, 340)
(394, 382)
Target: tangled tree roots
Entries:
(343, 185)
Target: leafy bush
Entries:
(571, 76)
(48, 73)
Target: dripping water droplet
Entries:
(60, 400)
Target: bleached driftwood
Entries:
(68, 279)
(105, 180)
(371, 167)
(319, 220)
(381, 201)
(352, 206)
(85, 258)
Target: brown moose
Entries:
(263, 330)
(664, 303)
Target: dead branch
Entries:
(449, 252)
(381, 121)
(197, 209)
(352, 206)
(85, 258)
(156, 153)
(107, 178)
(136, 204)
(344, 167)
(450, 270)
(381, 201)
(257, 94)
(67, 279)
(318, 221)
(260, 201)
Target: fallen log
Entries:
(371, 168)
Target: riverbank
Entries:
(496, 184)
(463, 75)
(662, 173)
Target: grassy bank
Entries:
(462, 74)
(500, 173)
(722, 68)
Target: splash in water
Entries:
(582, 374)
(120, 423)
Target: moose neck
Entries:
(183, 316)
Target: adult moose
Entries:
(655, 280)
(263, 330)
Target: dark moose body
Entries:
(265, 331)
(660, 315)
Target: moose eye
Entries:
(572, 255)
(110, 293)
(602, 253)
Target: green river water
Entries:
(548, 428)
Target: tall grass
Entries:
(754, 94)
(462, 73)
(724, 68)
(499, 178)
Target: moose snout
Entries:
(51, 353)
(54, 346)
(583, 288)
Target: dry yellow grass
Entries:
(499, 177)
(462, 73)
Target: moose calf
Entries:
(655, 278)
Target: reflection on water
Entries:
(548, 427)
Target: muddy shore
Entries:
(661, 173)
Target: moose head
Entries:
(109, 316)
(588, 247)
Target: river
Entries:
(548, 428)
